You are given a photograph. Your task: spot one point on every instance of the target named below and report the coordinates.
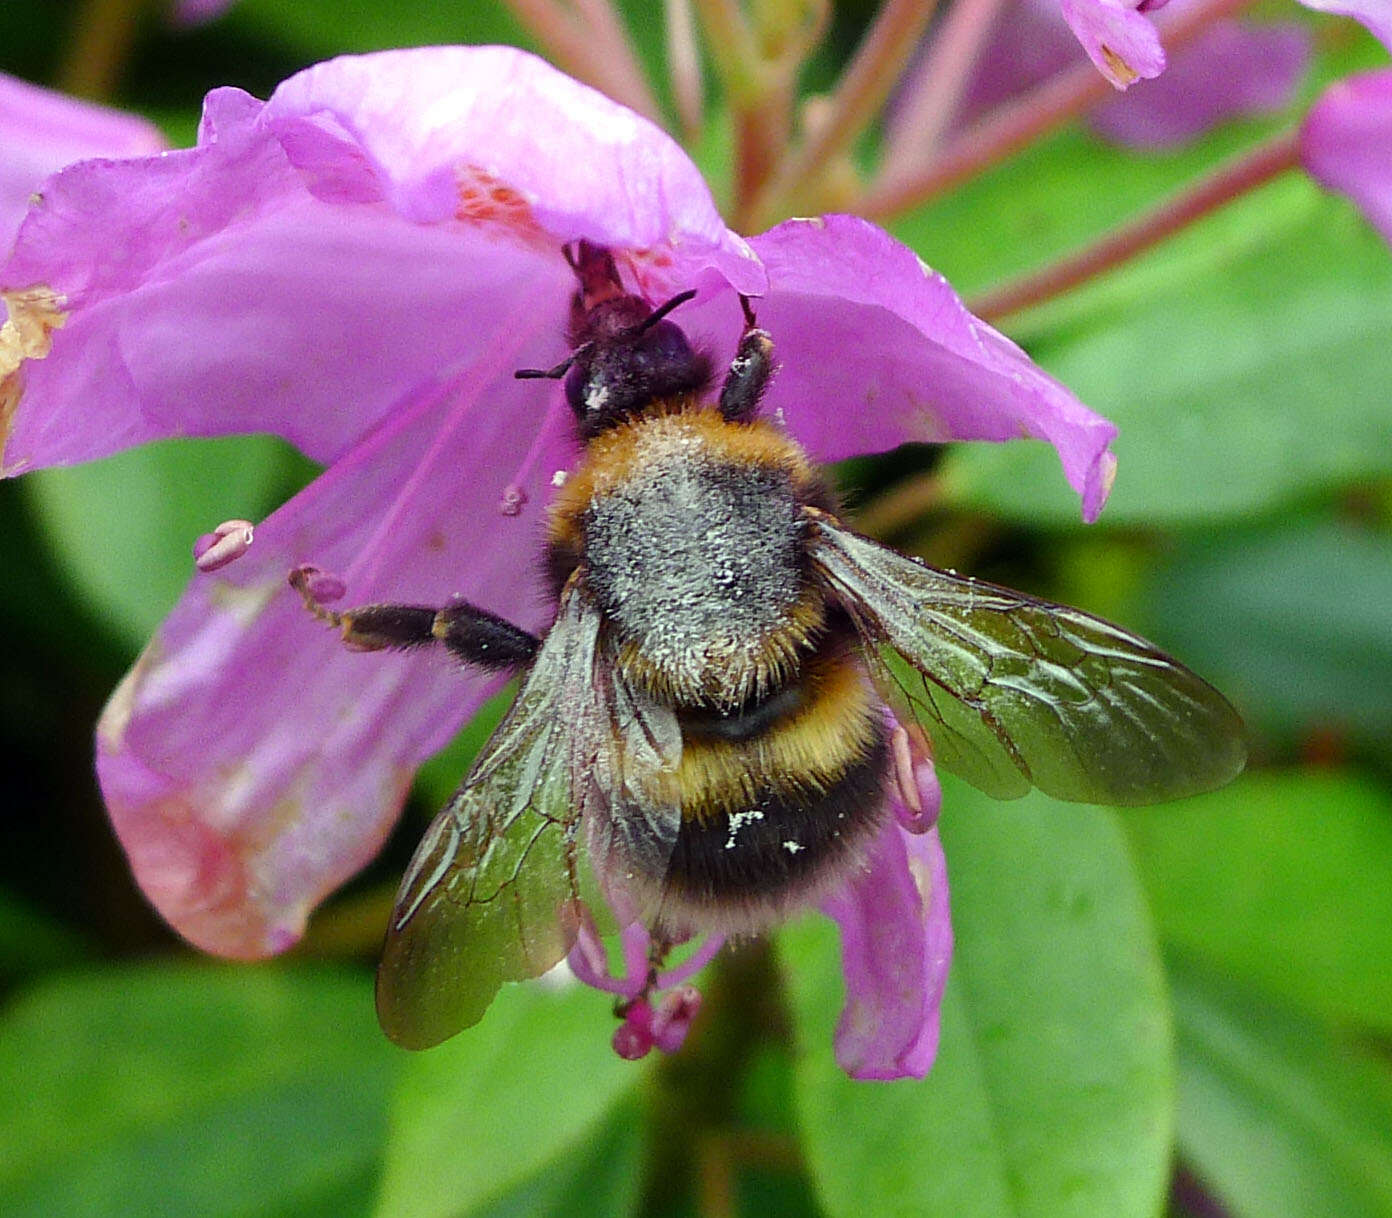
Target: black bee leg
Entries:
(472, 635)
(750, 371)
(475, 636)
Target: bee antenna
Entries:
(553, 374)
(662, 310)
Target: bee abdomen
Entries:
(779, 799)
(742, 868)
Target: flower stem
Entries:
(684, 68)
(734, 49)
(1015, 124)
(759, 66)
(590, 43)
(740, 65)
(101, 43)
(615, 47)
(855, 101)
(1242, 174)
(934, 89)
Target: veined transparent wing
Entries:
(631, 805)
(1016, 692)
(494, 889)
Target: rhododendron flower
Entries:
(1346, 143)
(1120, 39)
(1231, 69)
(359, 264)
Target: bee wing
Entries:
(630, 804)
(494, 889)
(1017, 692)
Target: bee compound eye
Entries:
(577, 384)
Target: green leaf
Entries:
(123, 528)
(1243, 368)
(1279, 1117)
(1052, 1090)
(483, 1114)
(1292, 623)
(1280, 879)
(600, 1177)
(208, 1091)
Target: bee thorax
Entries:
(698, 566)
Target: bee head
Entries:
(628, 356)
(625, 354)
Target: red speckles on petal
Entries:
(484, 199)
(653, 271)
(659, 258)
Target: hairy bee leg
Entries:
(483, 639)
(750, 371)
(472, 635)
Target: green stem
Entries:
(856, 100)
(759, 68)
(734, 50)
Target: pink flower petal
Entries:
(227, 288)
(41, 131)
(877, 349)
(1118, 39)
(896, 945)
(249, 761)
(1346, 143)
(1376, 15)
(419, 127)
(1234, 68)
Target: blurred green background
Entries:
(1185, 1009)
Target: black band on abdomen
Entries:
(779, 844)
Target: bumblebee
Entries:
(700, 739)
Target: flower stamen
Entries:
(226, 543)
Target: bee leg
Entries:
(472, 635)
(750, 371)
(484, 639)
